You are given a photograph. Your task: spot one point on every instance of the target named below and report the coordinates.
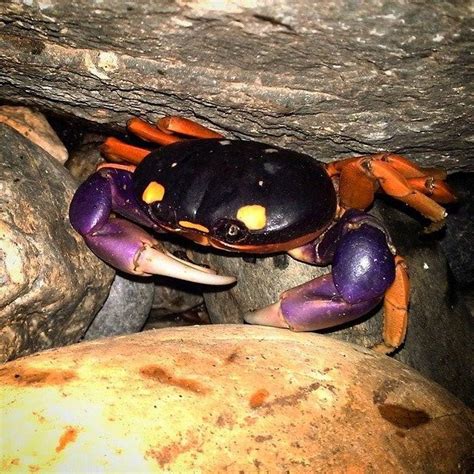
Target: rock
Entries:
(34, 126)
(227, 398)
(459, 236)
(194, 316)
(175, 297)
(336, 79)
(52, 285)
(85, 157)
(126, 309)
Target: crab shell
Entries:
(236, 195)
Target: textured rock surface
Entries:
(457, 242)
(175, 299)
(126, 309)
(331, 78)
(227, 399)
(51, 284)
(439, 340)
(34, 126)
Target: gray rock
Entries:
(328, 78)
(51, 283)
(85, 157)
(126, 309)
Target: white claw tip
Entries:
(267, 316)
(155, 262)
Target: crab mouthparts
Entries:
(160, 262)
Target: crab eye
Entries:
(230, 231)
(233, 230)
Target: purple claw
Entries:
(363, 265)
(128, 247)
(363, 269)
(121, 243)
(309, 307)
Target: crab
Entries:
(250, 197)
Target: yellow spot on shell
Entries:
(193, 225)
(153, 192)
(253, 216)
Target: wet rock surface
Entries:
(52, 285)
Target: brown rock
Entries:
(227, 398)
(52, 285)
(34, 126)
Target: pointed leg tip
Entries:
(267, 316)
(435, 226)
(384, 348)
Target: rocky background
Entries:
(331, 79)
(328, 78)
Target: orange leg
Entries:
(403, 165)
(186, 127)
(396, 309)
(163, 134)
(437, 189)
(150, 133)
(359, 177)
(360, 196)
(116, 150)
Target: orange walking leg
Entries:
(396, 304)
(163, 134)
(360, 177)
(116, 150)
(187, 127)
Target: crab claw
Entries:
(311, 306)
(267, 316)
(128, 247)
(121, 243)
(160, 262)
